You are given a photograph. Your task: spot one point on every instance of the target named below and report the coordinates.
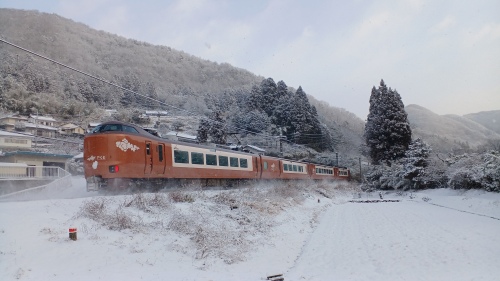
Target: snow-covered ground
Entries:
(250, 234)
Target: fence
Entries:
(23, 182)
(15, 171)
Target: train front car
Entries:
(114, 152)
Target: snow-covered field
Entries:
(249, 234)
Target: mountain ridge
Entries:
(447, 133)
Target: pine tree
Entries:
(387, 130)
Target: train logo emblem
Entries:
(126, 145)
(272, 167)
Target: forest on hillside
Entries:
(155, 78)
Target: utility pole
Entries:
(36, 128)
(281, 143)
(360, 172)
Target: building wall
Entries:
(34, 160)
(12, 142)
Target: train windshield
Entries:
(114, 128)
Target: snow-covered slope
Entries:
(489, 119)
(447, 132)
(434, 235)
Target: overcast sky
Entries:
(443, 55)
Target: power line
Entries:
(130, 91)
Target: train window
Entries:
(96, 129)
(148, 149)
(109, 128)
(211, 159)
(294, 168)
(265, 165)
(197, 158)
(129, 129)
(301, 169)
(181, 156)
(160, 152)
(223, 160)
(233, 162)
(285, 167)
(243, 163)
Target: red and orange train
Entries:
(118, 154)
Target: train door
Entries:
(149, 158)
(159, 161)
(258, 168)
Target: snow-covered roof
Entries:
(255, 148)
(181, 135)
(15, 117)
(42, 118)
(39, 126)
(78, 156)
(93, 124)
(156, 112)
(10, 134)
(69, 126)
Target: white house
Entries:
(14, 140)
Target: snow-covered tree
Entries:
(477, 170)
(387, 130)
(218, 130)
(269, 98)
(203, 130)
(254, 121)
(415, 162)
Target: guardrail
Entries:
(14, 171)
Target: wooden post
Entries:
(72, 233)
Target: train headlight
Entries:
(114, 169)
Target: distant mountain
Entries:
(489, 119)
(447, 133)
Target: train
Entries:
(119, 155)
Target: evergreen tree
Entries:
(305, 126)
(254, 121)
(282, 116)
(415, 163)
(268, 89)
(203, 130)
(255, 99)
(387, 130)
(281, 90)
(218, 130)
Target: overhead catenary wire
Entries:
(134, 92)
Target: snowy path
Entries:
(400, 241)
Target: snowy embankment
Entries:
(249, 234)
